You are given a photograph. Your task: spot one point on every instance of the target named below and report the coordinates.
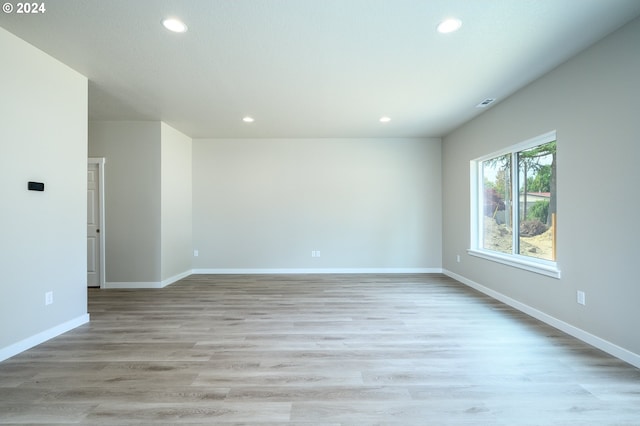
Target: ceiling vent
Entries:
(485, 103)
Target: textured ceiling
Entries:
(311, 68)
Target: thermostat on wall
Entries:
(36, 186)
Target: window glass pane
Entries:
(496, 194)
(514, 206)
(537, 200)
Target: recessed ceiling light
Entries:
(248, 119)
(174, 25)
(385, 119)
(449, 25)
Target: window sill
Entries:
(549, 269)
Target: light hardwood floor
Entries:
(314, 350)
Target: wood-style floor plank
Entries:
(328, 350)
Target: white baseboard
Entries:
(249, 271)
(602, 344)
(147, 284)
(133, 285)
(266, 271)
(175, 278)
(42, 337)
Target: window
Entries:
(514, 198)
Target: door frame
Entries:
(100, 161)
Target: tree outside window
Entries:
(519, 187)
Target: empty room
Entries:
(319, 212)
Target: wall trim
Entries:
(580, 334)
(133, 285)
(175, 278)
(266, 271)
(249, 271)
(147, 284)
(35, 340)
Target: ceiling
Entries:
(311, 68)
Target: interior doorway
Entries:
(95, 223)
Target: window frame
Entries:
(541, 266)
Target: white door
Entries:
(93, 226)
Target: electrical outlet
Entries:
(458, 258)
(48, 298)
(581, 298)
(196, 253)
(315, 253)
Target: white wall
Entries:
(147, 201)
(176, 200)
(43, 137)
(365, 204)
(593, 101)
(132, 198)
